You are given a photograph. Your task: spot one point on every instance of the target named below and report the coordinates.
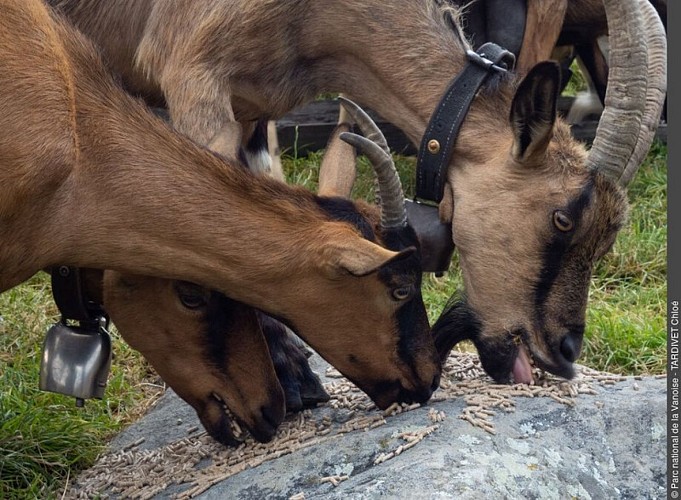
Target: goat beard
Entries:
(500, 358)
(457, 322)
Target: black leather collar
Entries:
(437, 145)
(68, 291)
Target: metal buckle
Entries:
(428, 203)
(478, 59)
(507, 61)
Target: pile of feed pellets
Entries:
(198, 462)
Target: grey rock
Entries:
(609, 445)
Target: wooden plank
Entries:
(308, 128)
(586, 131)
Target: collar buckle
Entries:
(506, 60)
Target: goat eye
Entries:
(192, 301)
(402, 293)
(191, 296)
(562, 221)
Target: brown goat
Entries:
(207, 347)
(527, 256)
(90, 178)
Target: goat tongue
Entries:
(522, 370)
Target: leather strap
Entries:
(437, 145)
(69, 295)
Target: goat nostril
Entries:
(571, 346)
(273, 415)
(420, 395)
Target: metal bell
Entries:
(76, 360)
(435, 237)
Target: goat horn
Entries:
(635, 85)
(365, 123)
(656, 91)
(375, 147)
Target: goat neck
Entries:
(114, 182)
(102, 184)
(366, 71)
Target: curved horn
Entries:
(375, 147)
(620, 132)
(656, 92)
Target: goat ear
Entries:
(361, 257)
(533, 112)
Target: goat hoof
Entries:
(302, 386)
(312, 391)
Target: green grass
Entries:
(626, 323)
(45, 439)
(577, 82)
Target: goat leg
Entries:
(277, 171)
(302, 387)
(542, 28)
(203, 112)
(339, 166)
